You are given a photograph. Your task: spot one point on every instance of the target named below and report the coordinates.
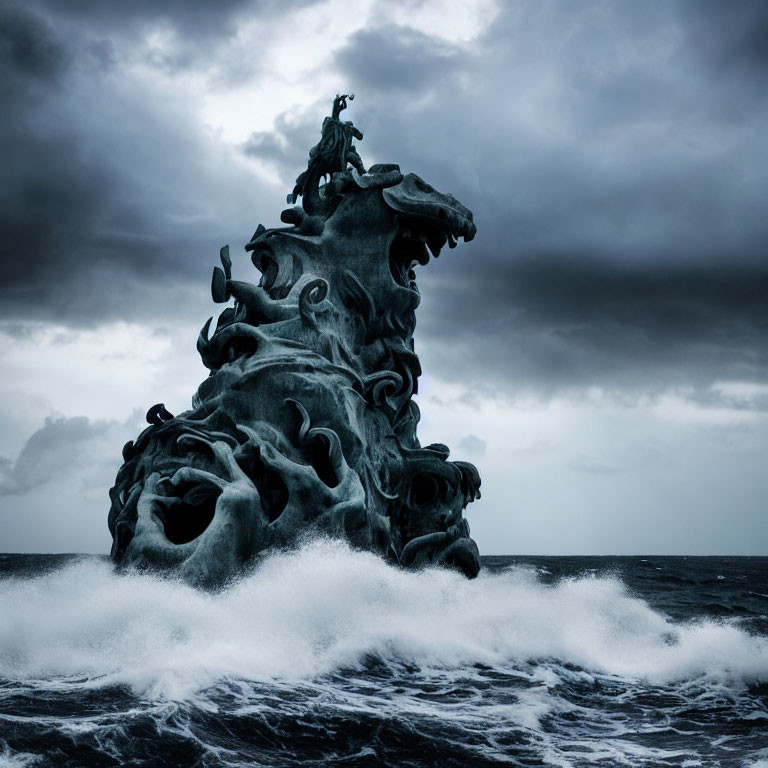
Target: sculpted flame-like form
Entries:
(306, 421)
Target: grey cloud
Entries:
(395, 60)
(19, 331)
(584, 464)
(546, 323)
(28, 45)
(193, 18)
(715, 397)
(472, 444)
(286, 147)
(741, 42)
(49, 453)
(619, 191)
(110, 204)
(192, 30)
(614, 158)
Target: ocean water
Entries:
(330, 657)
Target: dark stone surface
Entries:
(306, 422)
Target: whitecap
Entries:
(324, 607)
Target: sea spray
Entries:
(323, 607)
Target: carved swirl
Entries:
(311, 297)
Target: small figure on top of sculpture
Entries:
(330, 155)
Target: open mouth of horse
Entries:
(427, 220)
(411, 247)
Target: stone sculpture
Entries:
(306, 422)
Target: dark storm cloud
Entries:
(286, 147)
(616, 161)
(750, 400)
(397, 60)
(105, 207)
(195, 29)
(548, 323)
(614, 155)
(194, 20)
(50, 452)
(28, 46)
(741, 39)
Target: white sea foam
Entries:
(11, 759)
(309, 612)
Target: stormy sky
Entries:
(600, 350)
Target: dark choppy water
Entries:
(330, 657)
